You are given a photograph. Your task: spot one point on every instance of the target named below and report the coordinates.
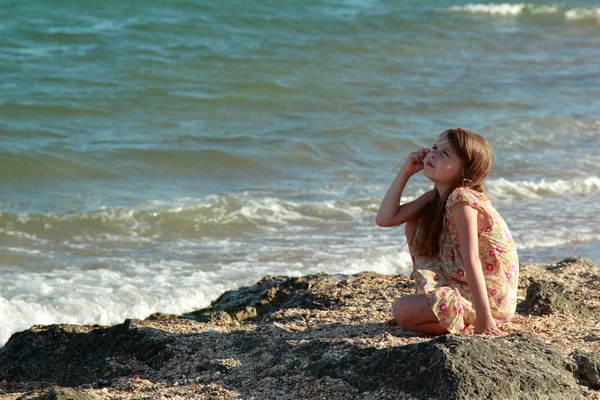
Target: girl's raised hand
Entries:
(414, 162)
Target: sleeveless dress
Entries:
(443, 280)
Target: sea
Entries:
(155, 154)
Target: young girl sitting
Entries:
(465, 260)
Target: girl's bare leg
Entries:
(412, 312)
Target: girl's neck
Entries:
(442, 189)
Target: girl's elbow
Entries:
(385, 222)
(381, 221)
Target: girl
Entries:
(465, 260)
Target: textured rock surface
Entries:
(545, 298)
(448, 367)
(71, 355)
(460, 367)
(588, 368)
(61, 393)
(269, 294)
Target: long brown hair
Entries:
(477, 159)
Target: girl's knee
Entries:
(396, 307)
(412, 310)
(401, 312)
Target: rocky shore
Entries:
(326, 337)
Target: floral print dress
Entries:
(443, 280)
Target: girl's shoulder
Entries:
(467, 195)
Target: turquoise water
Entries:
(153, 155)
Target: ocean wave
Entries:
(234, 213)
(66, 108)
(87, 26)
(214, 216)
(63, 164)
(493, 9)
(577, 14)
(517, 9)
(540, 240)
(503, 189)
(16, 167)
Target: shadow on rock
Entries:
(74, 355)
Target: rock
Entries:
(575, 260)
(450, 367)
(161, 317)
(70, 355)
(268, 295)
(246, 313)
(455, 367)
(61, 393)
(220, 317)
(588, 369)
(545, 298)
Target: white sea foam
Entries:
(538, 9)
(493, 9)
(504, 189)
(538, 240)
(583, 13)
(23, 250)
(23, 235)
(510, 9)
(387, 264)
(104, 296)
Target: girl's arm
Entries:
(465, 218)
(391, 212)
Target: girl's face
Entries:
(442, 164)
